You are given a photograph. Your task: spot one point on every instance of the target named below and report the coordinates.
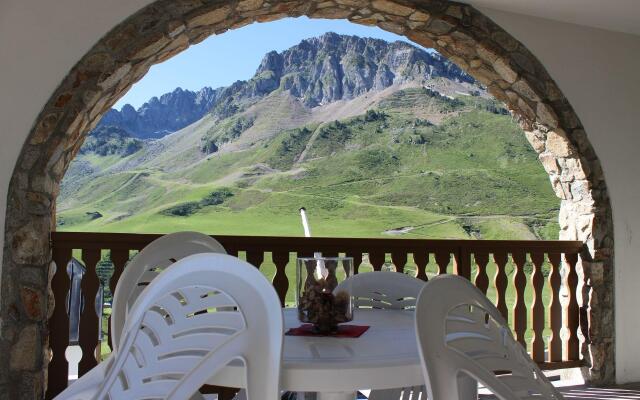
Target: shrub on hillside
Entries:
(373, 115)
(182, 209)
(237, 128)
(216, 197)
(289, 149)
(335, 132)
(93, 215)
(226, 131)
(208, 146)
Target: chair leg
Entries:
(467, 387)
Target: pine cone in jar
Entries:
(326, 322)
(309, 301)
(341, 306)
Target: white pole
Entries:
(321, 271)
(305, 222)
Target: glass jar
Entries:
(319, 299)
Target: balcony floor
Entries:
(584, 392)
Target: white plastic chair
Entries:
(389, 291)
(139, 272)
(384, 290)
(197, 316)
(147, 264)
(462, 335)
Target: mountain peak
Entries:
(317, 71)
(332, 67)
(272, 61)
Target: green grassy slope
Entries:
(470, 175)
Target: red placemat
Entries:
(344, 331)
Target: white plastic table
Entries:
(384, 357)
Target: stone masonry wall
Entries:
(167, 27)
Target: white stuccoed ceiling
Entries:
(613, 15)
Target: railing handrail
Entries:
(94, 240)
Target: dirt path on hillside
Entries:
(310, 143)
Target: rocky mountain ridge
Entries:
(161, 116)
(317, 71)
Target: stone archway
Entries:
(164, 28)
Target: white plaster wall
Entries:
(597, 70)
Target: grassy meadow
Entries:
(473, 175)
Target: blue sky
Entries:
(235, 55)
